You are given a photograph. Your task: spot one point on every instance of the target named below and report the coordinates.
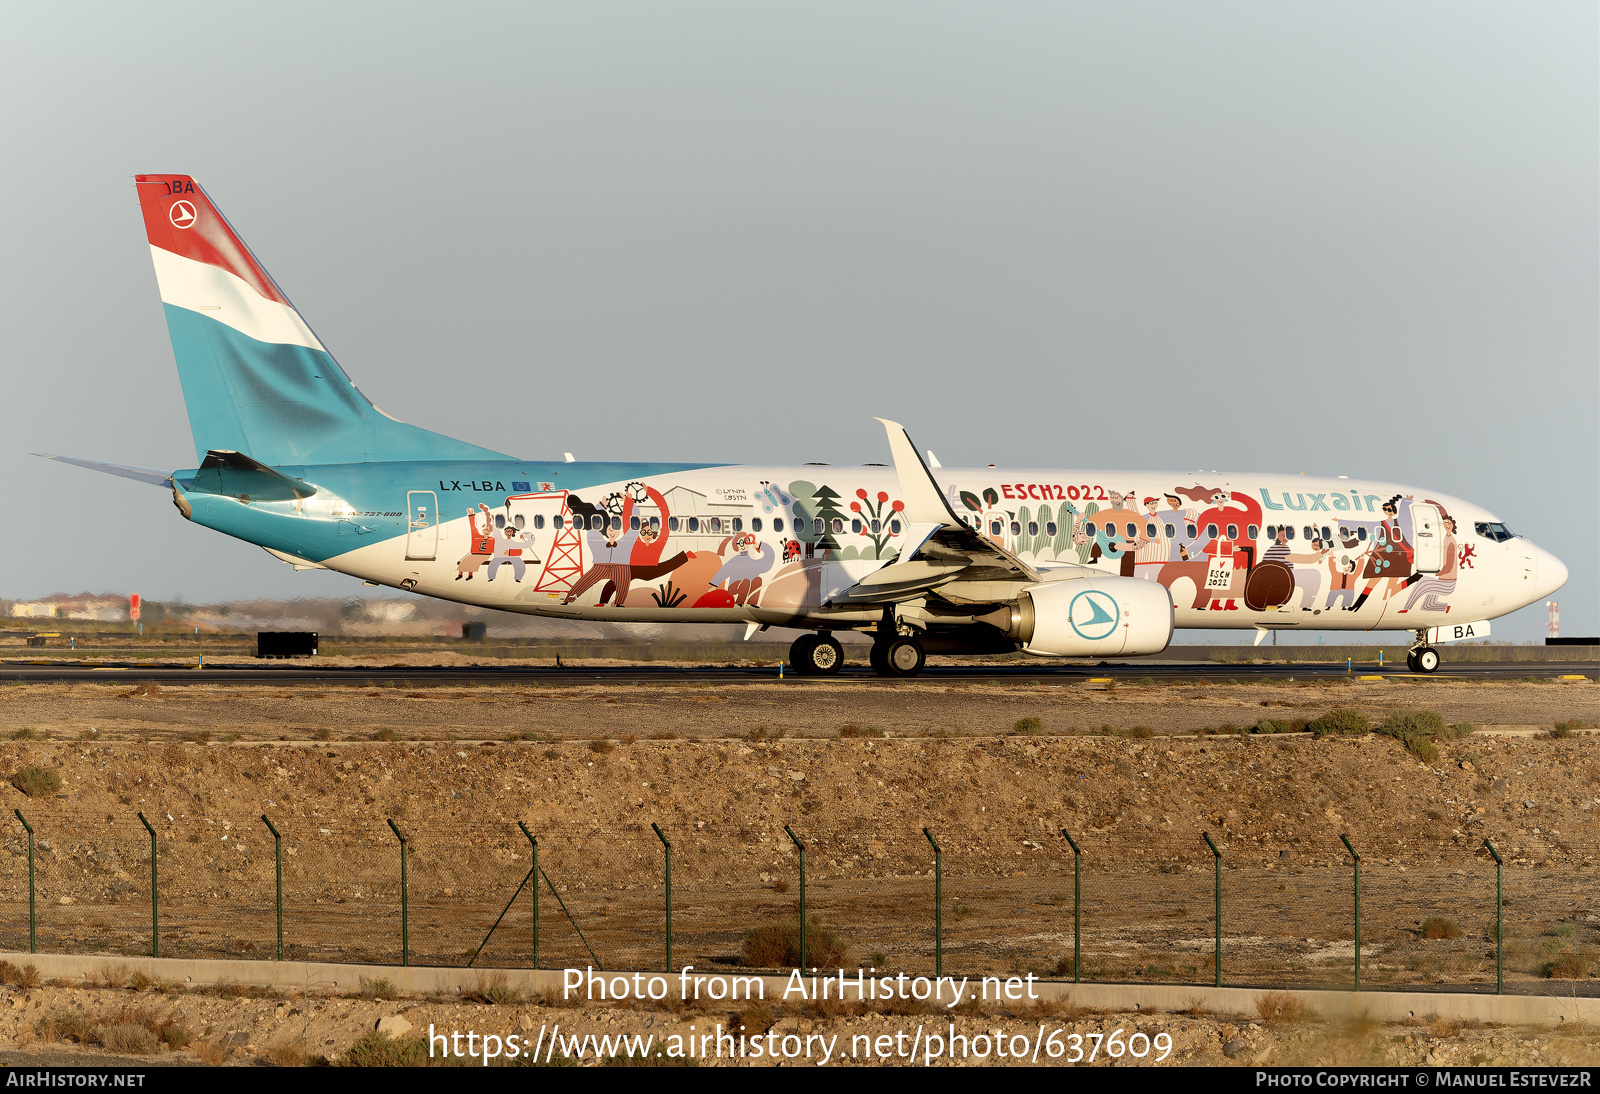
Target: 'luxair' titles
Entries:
(1324, 503)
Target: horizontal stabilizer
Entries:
(235, 475)
(122, 471)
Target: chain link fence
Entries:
(1148, 913)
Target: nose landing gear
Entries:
(1423, 657)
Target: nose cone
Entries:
(1549, 573)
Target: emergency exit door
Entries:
(422, 531)
(1427, 530)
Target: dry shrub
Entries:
(780, 886)
(111, 976)
(288, 1054)
(1439, 927)
(491, 989)
(601, 746)
(380, 988)
(853, 730)
(1569, 966)
(380, 1050)
(777, 946)
(230, 990)
(199, 737)
(26, 733)
(384, 734)
(1028, 726)
(1341, 720)
(36, 782)
(19, 976)
(211, 1053)
(128, 1039)
(1277, 1007)
(758, 1017)
(67, 1026)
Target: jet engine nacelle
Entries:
(1093, 617)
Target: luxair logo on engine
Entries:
(1093, 614)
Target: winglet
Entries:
(925, 502)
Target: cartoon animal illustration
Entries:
(742, 573)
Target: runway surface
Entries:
(307, 672)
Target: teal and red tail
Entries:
(255, 378)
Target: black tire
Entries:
(875, 659)
(1411, 661)
(1427, 659)
(800, 654)
(826, 657)
(904, 657)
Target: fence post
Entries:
(1217, 855)
(664, 842)
(405, 920)
(155, 907)
(938, 905)
(531, 871)
(1499, 922)
(534, 872)
(277, 859)
(1077, 906)
(1357, 859)
(801, 847)
(33, 943)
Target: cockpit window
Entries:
(1495, 531)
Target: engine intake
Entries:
(1092, 617)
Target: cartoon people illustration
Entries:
(514, 548)
(1441, 584)
(742, 573)
(1388, 557)
(1154, 547)
(623, 547)
(1306, 567)
(481, 543)
(1342, 570)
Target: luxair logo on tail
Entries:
(182, 215)
(1093, 614)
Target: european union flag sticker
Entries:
(519, 487)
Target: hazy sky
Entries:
(1341, 239)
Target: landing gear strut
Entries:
(816, 655)
(1423, 657)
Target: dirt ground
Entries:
(858, 772)
(165, 1024)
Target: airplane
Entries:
(923, 559)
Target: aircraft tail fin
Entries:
(255, 377)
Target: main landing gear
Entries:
(901, 655)
(816, 654)
(1423, 657)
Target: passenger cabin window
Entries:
(1171, 531)
(738, 524)
(877, 526)
(672, 524)
(1016, 527)
(655, 522)
(1089, 528)
(694, 524)
(633, 524)
(994, 528)
(1033, 527)
(1233, 531)
(1150, 530)
(558, 523)
(838, 524)
(816, 526)
(1211, 530)
(1361, 534)
(894, 527)
(1253, 533)
(755, 524)
(1327, 534)
(1132, 529)
(1288, 532)
(1191, 531)
(777, 524)
(1050, 528)
(499, 519)
(855, 525)
(538, 520)
(1309, 532)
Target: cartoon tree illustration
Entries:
(825, 508)
(882, 510)
(805, 510)
(1086, 548)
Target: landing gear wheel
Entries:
(1426, 660)
(825, 656)
(875, 659)
(904, 657)
(1411, 661)
(800, 654)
